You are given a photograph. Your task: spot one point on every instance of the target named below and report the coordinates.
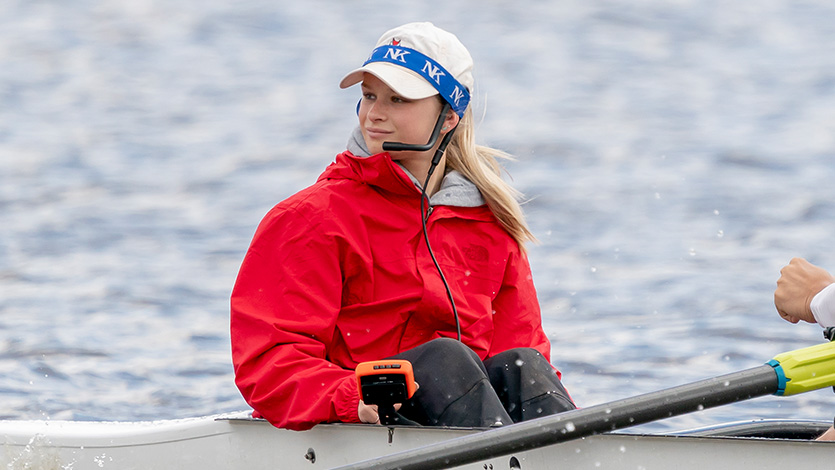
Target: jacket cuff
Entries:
(346, 401)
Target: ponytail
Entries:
(481, 166)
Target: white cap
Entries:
(434, 43)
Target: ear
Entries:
(450, 121)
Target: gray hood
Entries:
(456, 189)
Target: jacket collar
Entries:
(456, 189)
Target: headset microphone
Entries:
(400, 147)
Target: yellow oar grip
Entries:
(805, 369)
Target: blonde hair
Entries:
(481, 166)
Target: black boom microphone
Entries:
(400, 146)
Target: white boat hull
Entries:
(236, 442)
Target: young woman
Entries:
(399, 250)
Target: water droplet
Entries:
(520, 363)
(467, 272)
(727, 383)
(593, 269)
(715, 211)
(623, 449)
(720, 234)
(692, 252)
(569, 427)
(700, 407)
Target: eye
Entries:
(368, 95)
(397, 99)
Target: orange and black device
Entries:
(384, 383)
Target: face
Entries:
(385, 116)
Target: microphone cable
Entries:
(425, 208)
(425, 211)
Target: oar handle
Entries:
(805, 369)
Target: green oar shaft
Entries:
(762, 380)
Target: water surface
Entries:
(675, 155)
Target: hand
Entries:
(368, 413)
(799, 281)
(829, 435)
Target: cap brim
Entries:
(403, 81)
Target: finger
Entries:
(786, 316)
(789, 318)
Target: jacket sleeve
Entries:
(283, 314)
(518, 320)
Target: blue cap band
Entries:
(450, 89)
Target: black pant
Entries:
(458, 389)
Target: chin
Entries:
(374, 146)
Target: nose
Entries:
(375, 111)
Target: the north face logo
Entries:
(475, 253)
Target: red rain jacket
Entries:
(339, 273)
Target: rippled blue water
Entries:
(676, 156)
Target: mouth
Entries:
(376, 133)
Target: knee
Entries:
(521, 356)
(531, 355)
(449, 348)
(446, 360)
